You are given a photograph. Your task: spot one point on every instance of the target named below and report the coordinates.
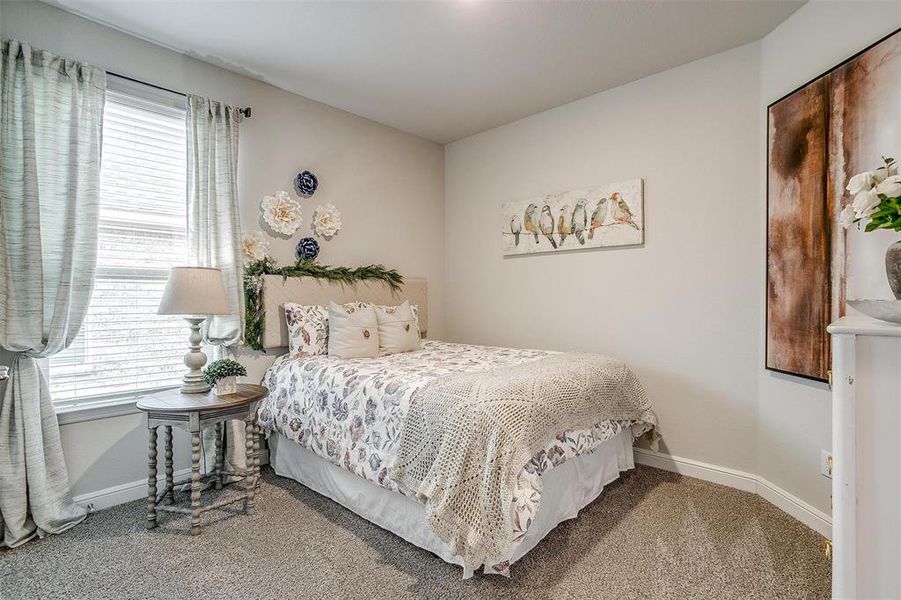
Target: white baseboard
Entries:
(120, 494)
(804, 512)
(697, 469)
(748, 482)
(134, 490)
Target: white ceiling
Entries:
(443, 70)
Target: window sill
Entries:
(66, 415)
(100, 409)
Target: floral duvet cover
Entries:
(350, 412)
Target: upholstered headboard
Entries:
(278, 290)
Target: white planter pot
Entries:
(226, 385)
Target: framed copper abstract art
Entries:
(817, 137)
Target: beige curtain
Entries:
(214, 234)
(51, 115)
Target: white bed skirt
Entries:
(568, 488)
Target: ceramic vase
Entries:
(893, 268)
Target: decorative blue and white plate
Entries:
(306, 183)
(307, 249)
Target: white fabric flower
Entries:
(861, 182)
(281, 213)
(254, 246)
(326, 220)
(865, 203)
(890, 187)
(846, 218)
(882, 172)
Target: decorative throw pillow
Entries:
(353, 331)
(397, 329)
(308, 327)
(415, 309)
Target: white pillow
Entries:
(415, 309)
(353, 331)
(397, 329)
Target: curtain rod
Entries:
(245, 112)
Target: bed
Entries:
(335, 425)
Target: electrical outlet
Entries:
(826, 463)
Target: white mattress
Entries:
(566, 490)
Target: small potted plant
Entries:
(222, 373)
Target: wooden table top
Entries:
(175, 401)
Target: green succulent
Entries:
(219, 369)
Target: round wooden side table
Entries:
(193, 412)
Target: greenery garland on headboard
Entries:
(253, 286)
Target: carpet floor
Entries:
(652, 534)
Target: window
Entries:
(124, 347)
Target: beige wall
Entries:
(794, 415)
(681, 310)
(388, 185)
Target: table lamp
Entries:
(195, 292)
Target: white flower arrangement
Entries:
(254, 283)
(281, 213)
(326, 220)
(877, 198)
(254, 246)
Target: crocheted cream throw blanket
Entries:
(467, 436)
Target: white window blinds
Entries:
(124, 348)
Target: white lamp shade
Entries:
(194, 291)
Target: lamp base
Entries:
(193, 381)
(194, 387)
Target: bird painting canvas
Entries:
(596, 217)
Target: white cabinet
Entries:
(866, 429)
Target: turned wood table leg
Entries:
(151, 478)
(256, 453)
(249, 470)
(195, 483)
(220, 454)
(170, 479)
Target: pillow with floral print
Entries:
(307, 329)
(415, 309)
